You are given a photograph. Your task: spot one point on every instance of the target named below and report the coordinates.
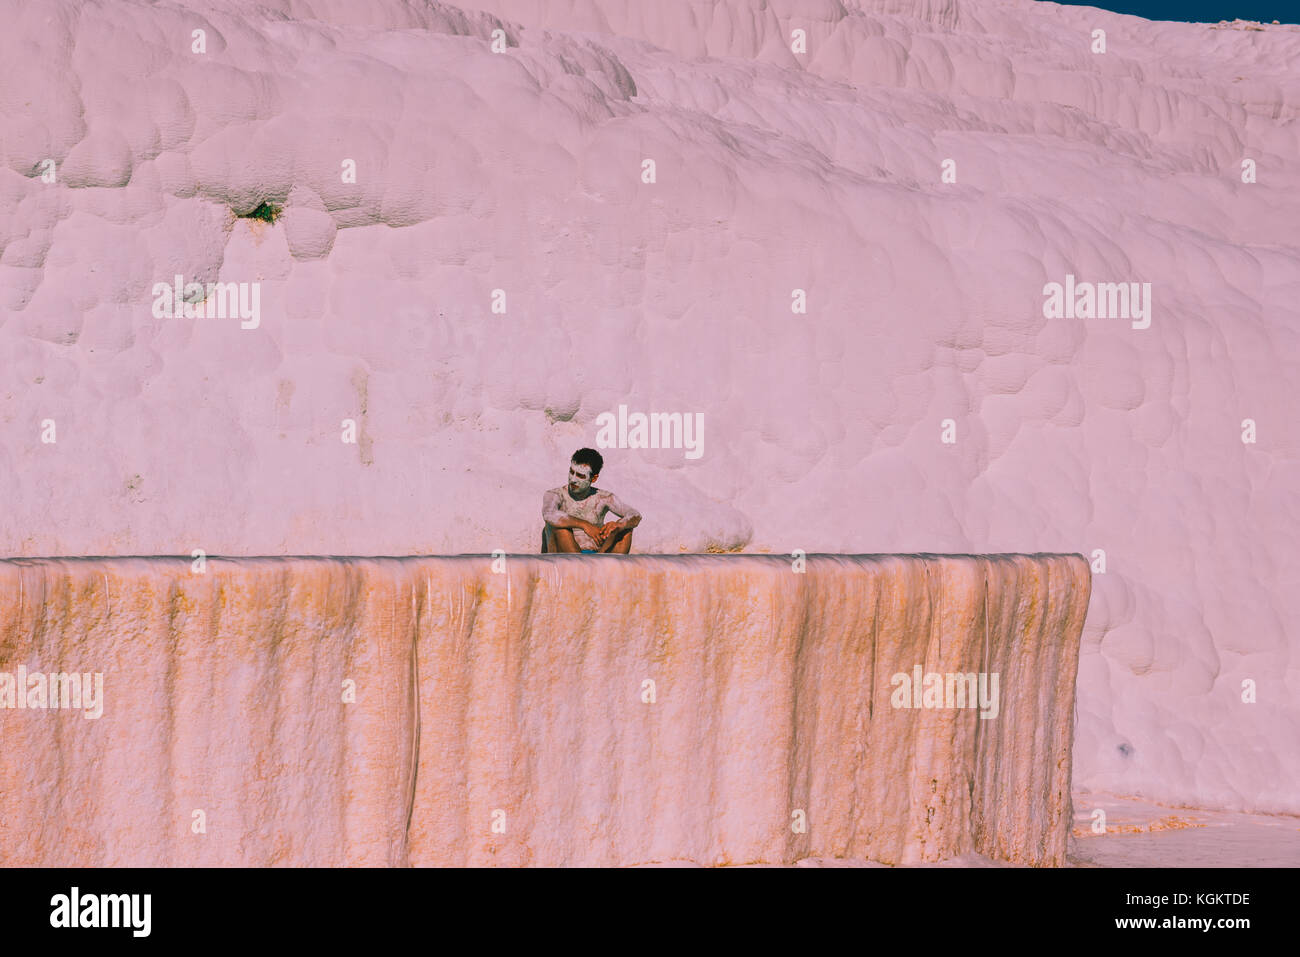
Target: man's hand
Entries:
(608, 529)
(597, 534)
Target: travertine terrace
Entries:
(559, 710)
(470, 267)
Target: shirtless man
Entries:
(574, 513)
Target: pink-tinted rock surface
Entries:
(518, 698)
(822, 171)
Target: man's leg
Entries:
(562, 540)
(618, 543)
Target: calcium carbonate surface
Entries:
(430, 256)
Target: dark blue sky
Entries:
(1201, 11)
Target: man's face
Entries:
(580, 478)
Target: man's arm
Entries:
(630, 517)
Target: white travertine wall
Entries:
(822, 171)
(523, 691)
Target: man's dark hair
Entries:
(588, 457)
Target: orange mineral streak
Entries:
(1171, 823)
(502, 717)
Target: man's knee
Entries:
(561, 539)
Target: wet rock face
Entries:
(528, 710)
(839, 265)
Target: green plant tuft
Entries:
(266, 212)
